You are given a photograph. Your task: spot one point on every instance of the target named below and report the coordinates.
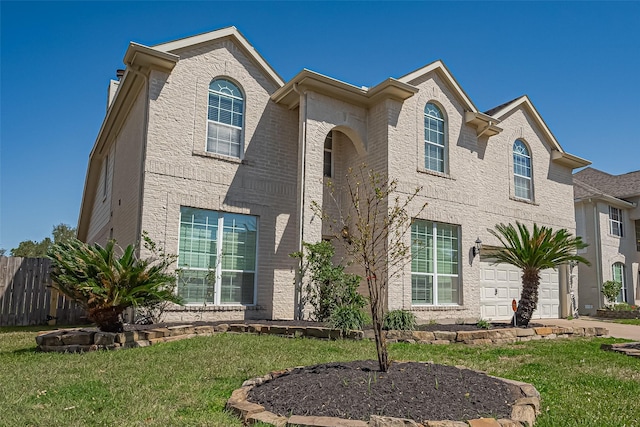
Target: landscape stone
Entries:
(223, 327)
(423, 336)
(267, 418)
(445, 335)
(484, 422)
(78, 338)
(244, 408)
(532, 401)
(297, 420)
(522, 332)
(509, 423)
(523, 413)
(544, 330)
(238, 327)
(379, 421)
(444, 424)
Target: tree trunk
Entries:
(108, 319)
(381, 343)
(529, 297)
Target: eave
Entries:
(569, 160)
(485, 125)
(611, 200)
(309, 80)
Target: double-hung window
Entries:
(217, 257)
(328, 155)
(434, 263)
(225, 118)
(434, 139)
(521, 171)
(615, 221)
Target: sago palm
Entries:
(105, 284)
(533, 252)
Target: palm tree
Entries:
(533, 252)
(105, 284)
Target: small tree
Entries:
(374, 232)
(532, 252)
(61, 233)
(106, 284)
(611, 289)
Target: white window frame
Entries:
(615, 222)
(428, 142)
(330, 151)
(218, 267)
(529, 178)
(241, 98)
(622, 296)
(434, 260)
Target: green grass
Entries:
(188, 382)
(628, 321)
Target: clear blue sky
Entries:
(579, 62)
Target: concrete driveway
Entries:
(616, 330)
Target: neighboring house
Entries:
(206, 148)
(608, 219)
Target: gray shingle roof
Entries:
(494, 110)
(592, 181)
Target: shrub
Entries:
(625, 307)
(328, 287)
(401, 320)
(483, 324)
(611, 290)
(105, 284)
(347, 318)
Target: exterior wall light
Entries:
(476, 249)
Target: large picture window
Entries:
(225, 115)
(217, 257)
(434, 263)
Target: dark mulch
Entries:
(467, 327)
(356, 390)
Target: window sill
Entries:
(438, 307)
(434, 173)
(528, 202)
(614, 236)
(219, 157)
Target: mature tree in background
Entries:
(61, 233)
(2, 251)
(374, 231)
(533, 252)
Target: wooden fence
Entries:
(26, 295)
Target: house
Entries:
(206, 148)
(608, 219)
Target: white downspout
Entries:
(302, 146)
(596, 225)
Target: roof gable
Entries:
(224, 33)
(439, 67)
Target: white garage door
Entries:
(502, 283)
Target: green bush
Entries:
(483, 324)
(328, 287)
(401, 320)
(611, 290)
(106, 284)
(347, 318)
(623, 306)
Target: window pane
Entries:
(237, 288)
(447, 290)
(226, 107)
(421, 289)
(196, 286)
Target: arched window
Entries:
(618, 276)
(434, 142)
(225, 118)
(521, 170)
(328, 155)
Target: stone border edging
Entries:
(618, 314)
(523, 412)
(627, 348)
(90, 339)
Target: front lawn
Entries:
(188, 382)
(628, 321)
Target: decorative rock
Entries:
(484, 422)
(521, 332)
(602, 331)
(223, 327)
(104, 338)
(545, 330)
(379, 421)
(355, 335)
(523, 413)
(180, 330)
(243, 408)
(126, 337)
(204, 330)
(298, 420)
(531, 401)
(444, 424)
(509, 423)
(443, 335)
(267, 418)
(51, 339)
(441, 342)
(256, 328)
(78, 338)
(464, 336)
(239, 394)
(423, 336)
(238, 327)
(278, 330)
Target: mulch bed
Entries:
(417, 391)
